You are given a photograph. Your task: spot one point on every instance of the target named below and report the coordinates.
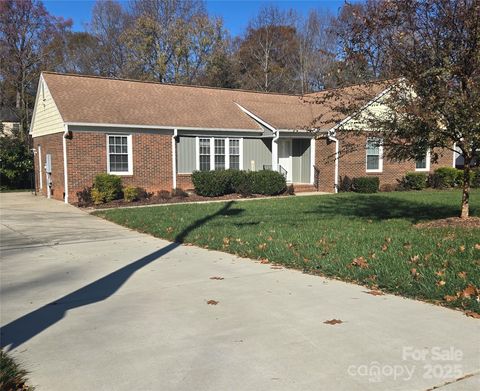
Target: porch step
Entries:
(303, 188)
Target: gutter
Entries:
(65, 165)
(337, 151)
(174, 158)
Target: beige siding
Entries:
(46, 118)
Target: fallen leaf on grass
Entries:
(441, 283)
(212, 302)
(450, 298)
(216, 278)
(169, 230)
(414, 273)
(407, 245)
(384, 247)
(333, 321)
(264, 260)
(462, 275)
(469, 291)
(440, 273)
(360, 262)
(472, 314)
(462, 248)
(262, 246)
(414, 259)
(374, 293)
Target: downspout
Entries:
(174, 157)
(337, 150)
(65, 165)
(275, 150)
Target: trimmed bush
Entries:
(367, 184)
(131, 193)
(97, 197)
(218, 183)
(445, 177)
(476, 178)
(85, 197)
(268, 182)
(414, 181)
(109, 187)
(211, 183)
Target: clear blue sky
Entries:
(235, 13)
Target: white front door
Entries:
(285, 156)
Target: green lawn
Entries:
(325, 234)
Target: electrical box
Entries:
(48, 163)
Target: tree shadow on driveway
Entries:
(28, 326)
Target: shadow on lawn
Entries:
(377, 207)
(22, 329)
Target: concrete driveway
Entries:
(89, 305)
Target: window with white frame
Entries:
(119, 156)
(219, 153)
(374, 155)
(204, 153)
(216, 153)
(423, 164)
(234, 153)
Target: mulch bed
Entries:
(452, 222)
(155, 200)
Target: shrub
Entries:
(164, 195)
(211, 183)
(97, 197)
(241, 182)
(444, 177)
(414, 181)
(84, 197)
(268, 182)
(108, 186)
(131, 193)
(345, 184)
(476, 178)
(12, 376)
(179, 192)
(368, 184)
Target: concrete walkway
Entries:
(89, 305)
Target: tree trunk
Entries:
(466, 190)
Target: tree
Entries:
(108, 24)
(316, 52)
(30, 40)
(433, 47)
(171, 40)
(268, 52)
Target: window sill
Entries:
(373, 171)
(422, 170)
(120, 173)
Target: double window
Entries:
(119, 155)
(218, 153)
(374, 155)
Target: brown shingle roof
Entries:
(89, 99)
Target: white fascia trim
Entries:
(40, 81)
(162, 127)
(345, 120)
(130, 155)
(65, 163)
(174, 158)
(312, 160)
(258, 119)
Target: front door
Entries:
(285, 156)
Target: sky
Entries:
(235, 13)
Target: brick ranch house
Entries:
(155, 135)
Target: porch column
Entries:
(275, 152)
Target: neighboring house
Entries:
(9, 122)
(155, 135)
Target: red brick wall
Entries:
(325, 163)
(353, 163)
(184, 181)
(152, 161)
(51, 144)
